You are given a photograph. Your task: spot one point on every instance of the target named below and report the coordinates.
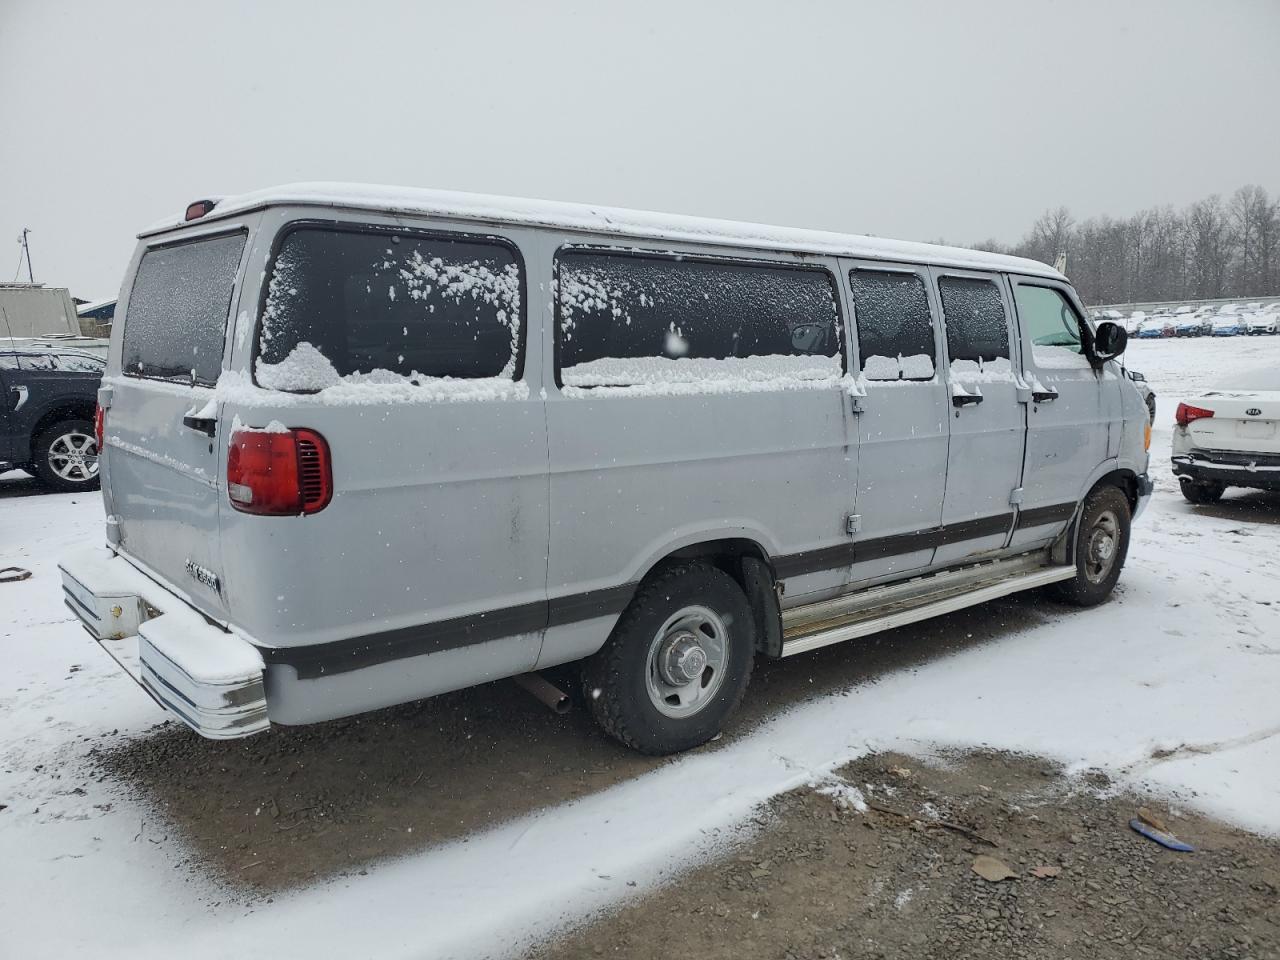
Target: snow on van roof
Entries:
(614, 221)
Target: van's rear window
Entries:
(177, 313)
(380, 306)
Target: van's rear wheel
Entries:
(1102, 542)
(66, 456)
(676, 664)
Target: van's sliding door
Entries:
(988, 418)
(902, 430)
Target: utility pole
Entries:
(26, 247)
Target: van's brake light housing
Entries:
(198, 209)
(279, 473)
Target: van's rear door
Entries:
(161, 427)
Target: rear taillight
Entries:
(1186, 413)
(99, 426)
(279, 472)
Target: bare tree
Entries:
(1211, 246)
(1209, 250)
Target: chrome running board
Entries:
(895, 605)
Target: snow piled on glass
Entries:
(681, 376)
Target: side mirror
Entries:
(1109, 340)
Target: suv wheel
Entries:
(1102, 542)
(66, 456)
(676, 664)
(1202, 491)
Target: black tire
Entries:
(617, 681)
(1202, 491)
(1105, 518)
(1151, 407)
(64, 460)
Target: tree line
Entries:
(1212, 248)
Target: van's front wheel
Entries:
(1102, 542)
(676, 664)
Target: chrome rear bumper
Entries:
(210, 678)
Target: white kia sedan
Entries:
(1229, 437)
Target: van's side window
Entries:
(176, 324)
(370, 305)
(1052, 325)
(628, 319)
(977, 328)
(895, 329)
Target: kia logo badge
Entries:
(1254, 412)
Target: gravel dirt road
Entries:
(822, 880)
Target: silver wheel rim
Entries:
(687, 661)
(73, 456)
(1101, 546)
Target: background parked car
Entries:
(1260, 323)
(1229, 437)
(1228, 326)
(1144, 388)
(1151, 329)
(47, 416)
(1190, 326)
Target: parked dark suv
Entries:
(46, 416)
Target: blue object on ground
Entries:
(1160, 837)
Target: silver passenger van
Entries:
(362, 445)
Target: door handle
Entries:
(205, 425)
(1044, 396)
(965, 399)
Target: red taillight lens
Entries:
(279, 473)
(99, 426)
(1186, 413)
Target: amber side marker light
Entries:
(1146, 437)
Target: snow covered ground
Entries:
(1171, 686)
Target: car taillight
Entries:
(99, 426)
(1186, 413)
(279, 472)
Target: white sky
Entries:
(916, 120)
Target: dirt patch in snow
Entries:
(822, 879)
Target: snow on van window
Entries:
(642, 320)
(666, 376)
(306, 376)
(374, 305)
(974, 315)
(895, 325)
(881, 368)
(997, 370)
(916, 367)
(176, 321)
